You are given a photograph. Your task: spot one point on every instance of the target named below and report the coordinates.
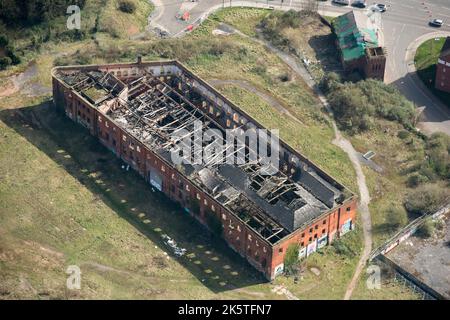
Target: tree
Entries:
(426, 230)
(330, 81)
(426, 198)
(416, 179)
(31, 12)
(351, 107)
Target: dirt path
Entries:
(23, 82)
(363, 209)
(347, 147)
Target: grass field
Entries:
(426, 58)
(65, 200)
(394, 155)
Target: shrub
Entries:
(439, 225)
(3, 41)
(355, 104)
(5, 62)
(438, 152)
(219, 48)
(351, 107)
(285, 77)
(426, 199)
(259, 70)
(291, 258)
(396, 217)
(342, 249)
(330, 81)
(127, 6)
(426, 229)
(417, 179)
(403, 134)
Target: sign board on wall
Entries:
(346, 227)
(155, 180)
(312, 247)
(302, 253)
(322, 242)
(279, 269)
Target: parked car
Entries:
(359, 3)
(341, 2)
(436, 23)
(380, 7)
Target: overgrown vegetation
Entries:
(32, 25)
(127, 6)
(438, 156)
(7, 54)
(31, 12)
(396, 217)
(356, 105)
(426, 199)
(101, 194)
(342, 248)
(291, 261)
(305, 34)
(426, 229)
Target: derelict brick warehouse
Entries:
(134, 108)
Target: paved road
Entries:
(404, 22)
(342, 143)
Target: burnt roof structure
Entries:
(155, 102)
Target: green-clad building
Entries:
(358, 40)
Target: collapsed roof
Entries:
(152, 109)
(357, 31)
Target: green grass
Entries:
(426, 58)
(244, 19)
(65, 200)
(389, 290)
(397, 157)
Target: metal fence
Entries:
(408, 280)
(407, 231)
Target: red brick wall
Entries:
(442, 81)
(329, 224)
(238, 235)
(375, 67)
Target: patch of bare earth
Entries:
(8, 89)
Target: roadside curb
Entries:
(412, 71)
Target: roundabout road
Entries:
(405, 26)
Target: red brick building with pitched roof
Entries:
(442, 81)
(132, 108)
